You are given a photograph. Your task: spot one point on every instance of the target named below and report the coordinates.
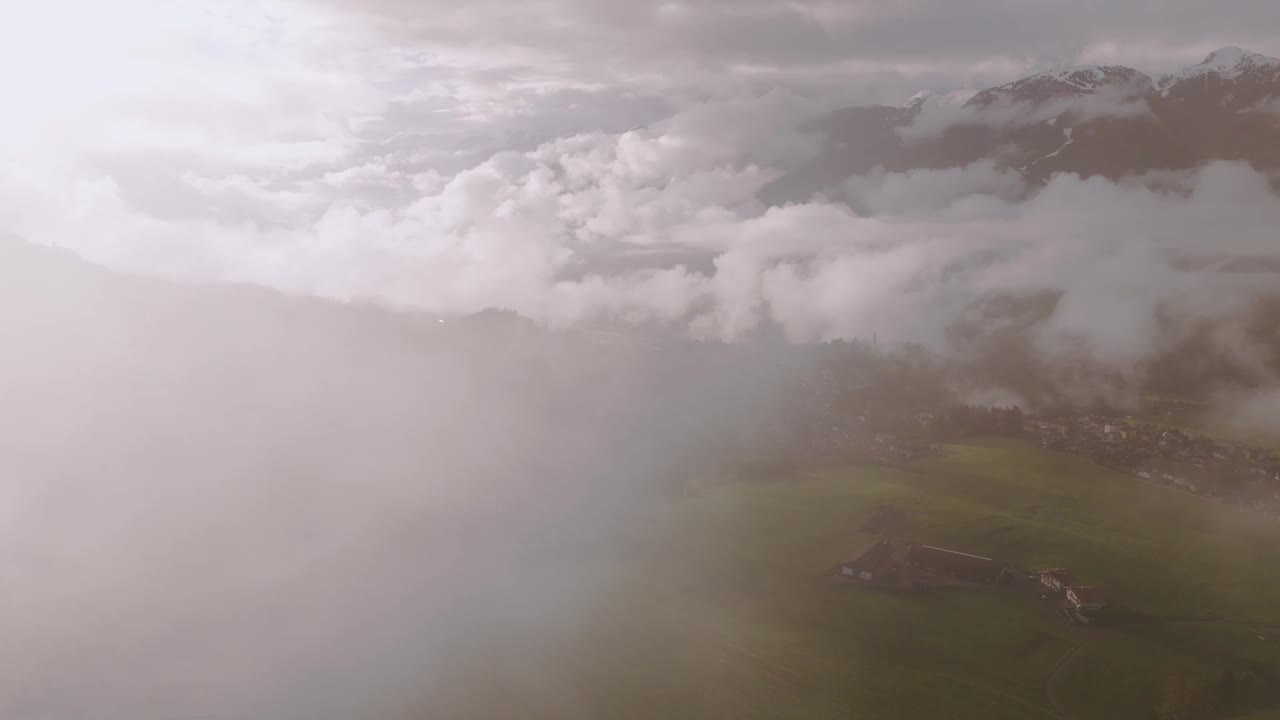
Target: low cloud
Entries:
(926, 190)
(560, 234)
(1250, 414)
(1267, 107)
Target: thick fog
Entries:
(226, 503)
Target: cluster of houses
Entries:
(847, 424)
(1084, 598)
(1232, 472)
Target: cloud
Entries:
(562, 232)
(499, 233)
(916, 191)
(648, 37)
(1267, 107)
(1251, 414)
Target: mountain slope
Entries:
(1078, 80)
(1111, 121)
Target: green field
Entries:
(718, 608)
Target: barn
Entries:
(974, 568)
(874, 564)
(1055, 579)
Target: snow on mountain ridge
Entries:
(1082, 77)
(1067, 81)
(1229, 63)
(937, 97)
(1085, 77)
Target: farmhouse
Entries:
(974, 568)
(1055, 579)
(874, 564)
(1086, 597)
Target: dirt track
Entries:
(1051, 685)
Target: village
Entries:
(887, 564)
(859, 405)
(1231, 472)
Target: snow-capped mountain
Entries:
(1236, 79)
(1230, 64)
(1089, 120)
(1069, 81)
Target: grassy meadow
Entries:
(718, 608)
